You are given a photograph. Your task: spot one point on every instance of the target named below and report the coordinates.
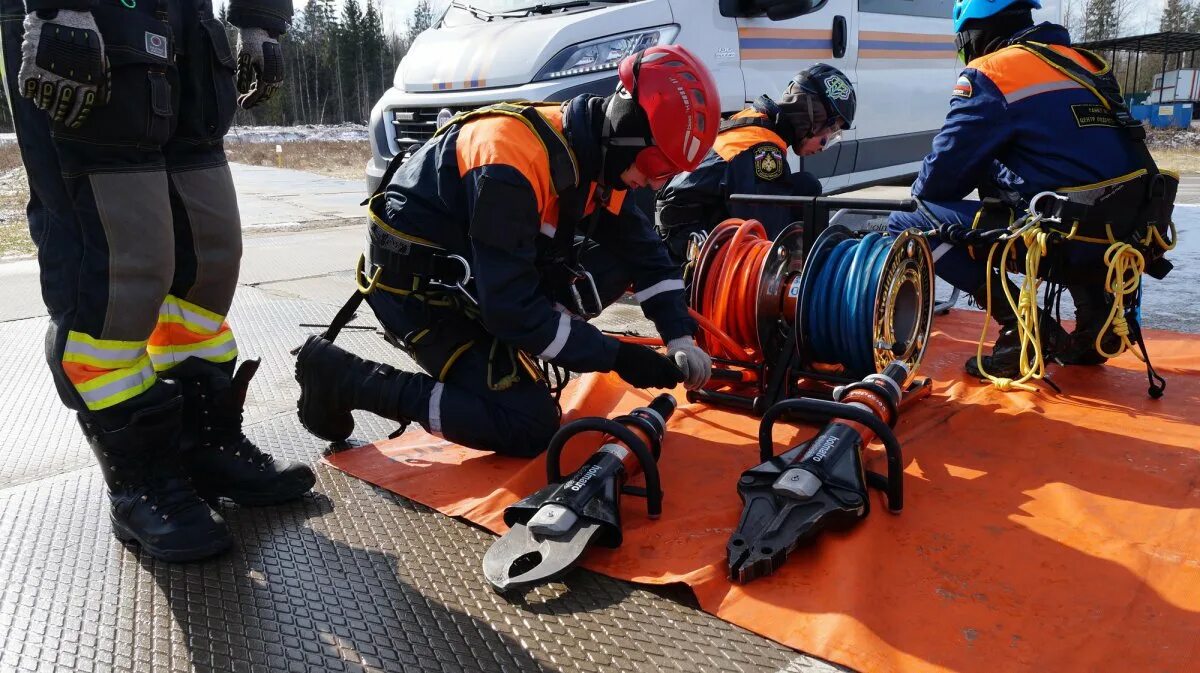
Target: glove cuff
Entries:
(680, 342)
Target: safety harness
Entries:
(399, 263)
(1131, 215)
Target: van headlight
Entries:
(605, 53)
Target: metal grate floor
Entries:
(350, 578)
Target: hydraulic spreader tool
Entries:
(820, 484)
(551, 529)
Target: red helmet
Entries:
(681, 102)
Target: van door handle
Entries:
(840, 33)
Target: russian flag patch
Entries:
(963, 88)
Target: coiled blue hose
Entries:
(839, 302)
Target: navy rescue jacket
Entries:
(483, 190)
(1018, 125)
(743, 160)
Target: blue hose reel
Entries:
(865, 301)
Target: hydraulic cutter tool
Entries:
(551, 529)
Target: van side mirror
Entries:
(775, 10)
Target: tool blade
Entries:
(521, 559)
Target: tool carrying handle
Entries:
(892, 485)
(645, 457)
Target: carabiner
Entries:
(579, 308)
(360, 272)
(1033, 206)
(461, 283)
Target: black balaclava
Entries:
(797, 116)
(624, 132)
(583, 122)
(981, 37)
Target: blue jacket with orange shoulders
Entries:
(1019, 124)
(743, 160)
(484, 190)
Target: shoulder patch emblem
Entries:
(768, 161)
(1091, 115)
(963, 88)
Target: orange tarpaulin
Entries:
(1040, 532)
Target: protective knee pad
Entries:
(205, 208)
(135, 213)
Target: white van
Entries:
(900, 55)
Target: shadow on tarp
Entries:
(1041, 532)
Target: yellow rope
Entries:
(1125, 267)
(1032, 364)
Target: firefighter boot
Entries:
(221, 460)
(152, 499)
(333, 383)
(1092, 307)
(1005, 360)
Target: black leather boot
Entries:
(1092, 306)
(153, 500)
(221, 460)
(334, 382)
(1005, 360)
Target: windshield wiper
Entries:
(544, 8)
(476, 12)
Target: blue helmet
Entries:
(966, 10)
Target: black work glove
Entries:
(63, 68)
(259, 67)
(643, 367)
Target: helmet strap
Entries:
(980, 37)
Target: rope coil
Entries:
(1124, 264)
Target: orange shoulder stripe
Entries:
(500, 140)
(1019, 74)
(733, 142)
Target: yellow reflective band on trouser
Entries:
(118, 385)
(186, 330)
(222, 347)
(195, 318)
(102, 353)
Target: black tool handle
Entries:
(664, 405)
(893, 487)
(645, 457)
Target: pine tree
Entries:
(374, 49)
(421, 19)
(349, 46)
(1102, 20)
(1193, 24)
(1176, 16)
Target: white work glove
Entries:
(63, 69)
(695, 364)
(259, 67)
